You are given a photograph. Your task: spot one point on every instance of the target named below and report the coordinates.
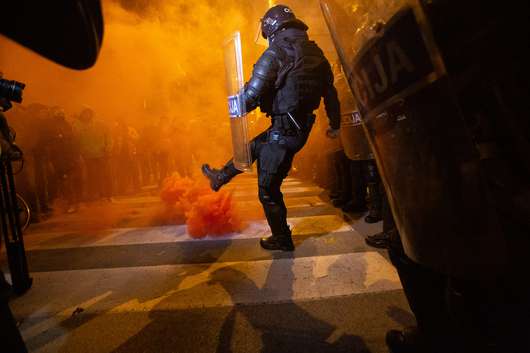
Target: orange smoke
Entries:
(175, 188)
(206, 212)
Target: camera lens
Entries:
(11, 90)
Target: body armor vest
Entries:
(300, 81)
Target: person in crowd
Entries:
(40, 117)
(183, 160)
(356, 171)
(94, 146)
(125, 162)
(145, 153)
(163, 147)
(26, 137)
(64, 157)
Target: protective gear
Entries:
(272, 155)
(236, 103)
(284, 243)
(288, 82)
(275, 150)
(292, 76)
(380, 240)
(448, 122)
(219, 177)
(372, 218)
(375, 192)
(353, 138)
(449, 182)
(357, 185)
(277, 18)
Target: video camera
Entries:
(10, 91)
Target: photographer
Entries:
(69, 33)
(9, 334)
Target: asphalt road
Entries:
(130, 286)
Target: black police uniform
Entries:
(288, 82)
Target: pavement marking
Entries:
(178, 233)
(106, 293)
(254, 182)
(315, 190)
(175, 287)
(41, 326)
(301, 201)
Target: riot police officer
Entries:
(287, 83)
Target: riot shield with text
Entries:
(426, 154)
(236, 105)
(352, 134)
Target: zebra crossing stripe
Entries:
(178, 233)
(176, 287)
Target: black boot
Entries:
(379, 240)
(406, 341)
(275, 211)
(371, 218)
(375, 210)
(280, 239)
(219, 177)
(282, 242)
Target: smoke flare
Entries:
(206, 212)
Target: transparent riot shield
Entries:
(236, 104)
(426, 156)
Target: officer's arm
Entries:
(262, 80)
(331, 99)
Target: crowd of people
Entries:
(86, 158)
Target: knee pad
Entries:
(264, 196)
(269, 196)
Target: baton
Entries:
(294, 122)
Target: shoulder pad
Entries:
(267, 64)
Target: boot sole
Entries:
(205, 173)
(273, 248)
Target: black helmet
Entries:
(279, 17)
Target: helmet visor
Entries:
(258, 39)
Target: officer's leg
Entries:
(357, 187)
(333, 165)
(219, 177)
(343, 179)
(275, 210)
(382, 240)
(373, 181)
(426, 293)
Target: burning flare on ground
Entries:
(206, 212)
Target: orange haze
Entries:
(159, 59)
(161, 64)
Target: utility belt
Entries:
(274, 159)
(293, 124)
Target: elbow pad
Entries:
(263, 78)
